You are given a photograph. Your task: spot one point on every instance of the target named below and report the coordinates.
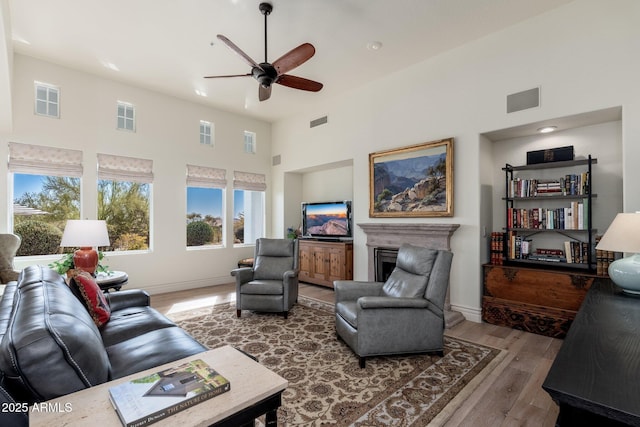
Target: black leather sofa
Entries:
(50, 346)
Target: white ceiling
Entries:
(165, 45)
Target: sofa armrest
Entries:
(351, 290)
(128, 298)
(392, 302)
(242, 275)
(290, 274)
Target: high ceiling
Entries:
(169, 45)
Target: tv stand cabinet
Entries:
(322, 262)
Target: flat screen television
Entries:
(327, 220)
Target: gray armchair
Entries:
(272, 283)
(403, 315)
(9, 245)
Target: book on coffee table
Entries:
(148, 399)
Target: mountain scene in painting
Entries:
(415, 184)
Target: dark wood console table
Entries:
(595, 378)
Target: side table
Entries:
(112, 280)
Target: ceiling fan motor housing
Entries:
(265, 75)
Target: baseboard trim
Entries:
(163, 288)
(470, 313)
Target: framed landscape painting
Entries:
(414, 181)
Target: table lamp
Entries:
(85, 234)
(623, 235)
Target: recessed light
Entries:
(547, 129)
(374, 45)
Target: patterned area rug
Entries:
(326, 384)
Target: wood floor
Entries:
(510, 396)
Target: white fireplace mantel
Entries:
(385, 235)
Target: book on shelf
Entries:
(573, 217)
(568, 185)
(496, 249)
(604, 259)
(148, 399)
(576, 252)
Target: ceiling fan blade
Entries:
(294, 58)
(230, 75)
(239, 51)
(299, 83)
(264, 93)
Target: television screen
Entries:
(331, 219)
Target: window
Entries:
(206, 132)
(47, 100)
(46, 193)
(124, 200)
(126, 116)
(248, 207)
(249, 142)
(205, 207)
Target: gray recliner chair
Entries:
(9, 245)
(271, 285)
(405, 314)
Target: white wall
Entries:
(584, 58)
(167, 132)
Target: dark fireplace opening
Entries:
(384, 262)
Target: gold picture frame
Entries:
(413, 181)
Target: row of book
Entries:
(604, 259)
(496, 248)
(519, 248)
(568, 185)
(573, 217)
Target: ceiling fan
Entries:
(265, 73)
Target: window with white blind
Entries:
(46, 193)
(249, 142)
(248, 207)
(126, 116)
(124, 200)
(205, 206)
(47, 100)
(206, 133)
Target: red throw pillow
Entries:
(85, 286)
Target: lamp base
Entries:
(625, 273)
(86, 259)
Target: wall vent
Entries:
(318, 122)
(275, 160)
(523, 100)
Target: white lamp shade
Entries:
(85, 233)
(623, 235)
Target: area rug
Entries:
(326, 384)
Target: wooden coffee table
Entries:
(255, 390)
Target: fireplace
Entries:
(385, 262)
(384, 239)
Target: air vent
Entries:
(275, 160)
(523, 100)
(318, 122)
